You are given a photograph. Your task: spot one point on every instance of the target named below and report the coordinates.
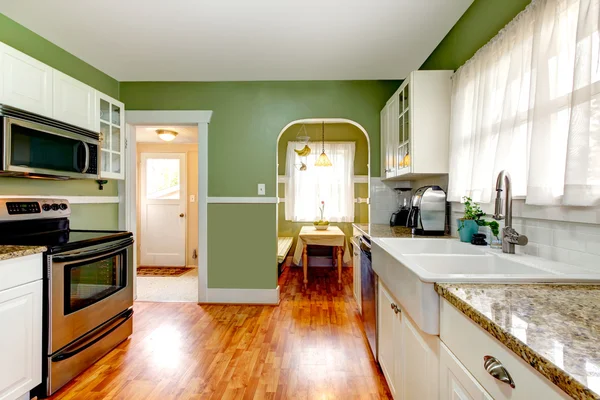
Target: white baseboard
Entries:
(243, 296)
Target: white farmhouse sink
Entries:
(430, 246)
(410, 267)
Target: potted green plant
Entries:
(469, 224)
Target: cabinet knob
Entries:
(182, 215)
(494, 367)
(395, 308)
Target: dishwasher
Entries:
(368, 289)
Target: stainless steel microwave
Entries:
(39, 147)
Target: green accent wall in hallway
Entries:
(481, 22)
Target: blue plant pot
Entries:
(466, 229)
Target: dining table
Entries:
(333, 237)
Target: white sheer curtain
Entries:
(528, 102)
(304, 190)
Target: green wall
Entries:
(242, 147)
(333, 133)
(84, 215)
(481, 22)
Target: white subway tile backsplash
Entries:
(575, 243)
(384, 201)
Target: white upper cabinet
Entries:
(110, 119)
(415, 127)
(73, 101)
(26, 82)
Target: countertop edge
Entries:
(357, 227)
(549, 370)
(11, 252)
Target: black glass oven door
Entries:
(88, 282)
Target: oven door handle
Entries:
(106, 330)
(93, 253)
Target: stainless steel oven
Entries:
(88, 287)
(36, 146)
(90, 295)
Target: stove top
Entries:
(44, 222)
(65, 240)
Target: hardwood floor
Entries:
(311, 346)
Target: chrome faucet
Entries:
(510, 236)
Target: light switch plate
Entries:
(261, 189)
(192, 198)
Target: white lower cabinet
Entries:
(421, 362)
(408, 357)
(456, 383)
(389, 340)
(21, 332)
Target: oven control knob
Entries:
(63, 206)
(46, 207)
(54, 207)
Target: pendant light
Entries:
(323, 160)
(166, 135)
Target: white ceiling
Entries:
(185, 134)
(234, 40)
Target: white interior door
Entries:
(163, 209)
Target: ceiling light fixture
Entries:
(166, 134)
(323, 160)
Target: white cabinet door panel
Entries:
(20, 339)
(26, 82)
(73, 101)
(385, 331)
(456, 383)
(421, 363)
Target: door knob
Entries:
(182, 215)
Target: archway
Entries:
(361, 180)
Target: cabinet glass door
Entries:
(111, 127)
(402, 155)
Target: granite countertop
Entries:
(8, 252)
(554, 328)
(386, 231)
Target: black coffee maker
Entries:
(400, 217)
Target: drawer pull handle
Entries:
(494, 367)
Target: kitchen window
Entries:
(305, 189)
(528, 102)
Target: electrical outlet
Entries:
(261, 189)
